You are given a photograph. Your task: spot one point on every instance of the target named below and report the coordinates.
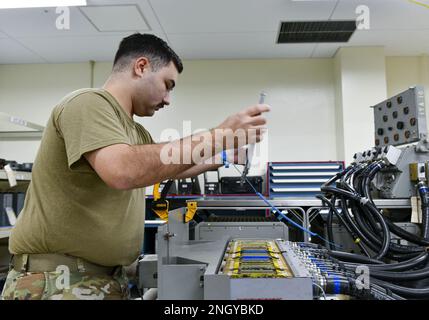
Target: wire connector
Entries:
(363, 201)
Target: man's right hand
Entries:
(244, 127)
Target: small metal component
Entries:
(417, 172)
(169, 235)
(250, 149)
(392, 155)
(413, 172)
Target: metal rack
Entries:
(19, 175)
(16, 128)
(5, 232)
(299, 179)
(308, 208)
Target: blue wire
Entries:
(224, 161)
(273, 208)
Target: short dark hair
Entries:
(155, 49)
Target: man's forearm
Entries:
(149, 164)
(122, 166)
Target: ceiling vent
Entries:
(316, 31)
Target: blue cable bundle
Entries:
(274, 209)
(254, 258)
(254, 251)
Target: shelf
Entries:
(5, 232)
(15, 128)
(23, 180)
(178, 196)
(239, 202)
(19, 175)
(295, 189)
(304, 174)
(308, 167)
(297, 180)
(154, 223)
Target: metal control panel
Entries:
(401, 119)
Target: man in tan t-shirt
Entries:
(83, 217)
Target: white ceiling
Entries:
(203, 29)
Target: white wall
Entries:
(405, 72)
(401, 73)
(362, 82)
(303, 122)
(339, 124)
(301, 92)
(31, 91)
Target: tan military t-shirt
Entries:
(68, 208)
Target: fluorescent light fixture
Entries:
(14, 4)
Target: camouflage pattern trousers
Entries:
(60, 285)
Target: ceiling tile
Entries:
(12, 52)
(116, 18)
(196, 16)
(43, 22)
(75, 49)
(386, 14)
(145, 8)
(236, 46)
(326, 50)
(396, 42)
(222, 29)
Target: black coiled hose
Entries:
(424, 197)
(415, 293)
(399, 266)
